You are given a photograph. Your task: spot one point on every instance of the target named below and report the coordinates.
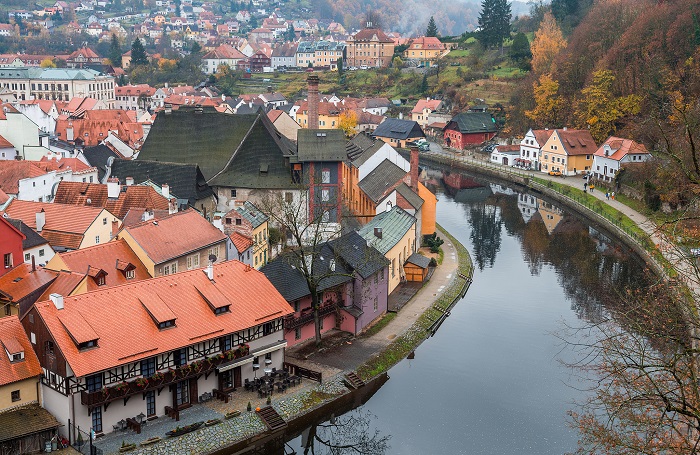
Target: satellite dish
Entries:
(212, 258)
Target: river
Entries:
(491, 380)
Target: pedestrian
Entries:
(607, 195)
(613, 195)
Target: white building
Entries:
(614, 153)
(531, 148)
(58, 83)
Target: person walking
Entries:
(607, 195)
(613, 195)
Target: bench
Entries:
(172, 413)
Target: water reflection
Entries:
(350, 433)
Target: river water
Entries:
(491, 380)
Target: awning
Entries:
(249, 358)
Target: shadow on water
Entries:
(337, 425)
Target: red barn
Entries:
(469, 128)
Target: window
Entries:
(151, 403)
(32, 337)
(239, 221)
(148, 367)
(27, 256)
(130, 274)
(376, 304)
(288, 197)
(170, 268)
(15, 396)
(166, 324)
(326, 176)
(87, 345)
(233, 193)
(297, 333)
(7, 260)
(93, 382)
(104, 221)
(97, 419)
(214, 251)
(192, 261)
(325, 195)
(381, 274)
(97, 239)
(41, 252)
(180, 357)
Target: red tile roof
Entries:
(64, 284)
(175, 235)
(252, 298)
(11, 172)
(372, 34)
(620, 148)
(19, 282)
(112, 257)
(272, 115)
(577, 142)
(426, 104)
(427, 43)
(225, 51)
(14, 339)
(133, 196)
(65, 224)
(4, 143)
(241, 242)
(135, 216)
(135, 90)
(93, 126)
(542, 136)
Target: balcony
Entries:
(161, 379)
(291, 322)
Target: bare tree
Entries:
(350, 433)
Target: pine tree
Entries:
(291, 36)
(115, 52)
(138, 53)
(494, 22)
(424, 84)
(432, 28)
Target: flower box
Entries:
(232, 414)
(150, 441)
(212, 422)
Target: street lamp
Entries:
(255, 370)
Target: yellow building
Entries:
(393, 233)
(425, 50)
(370, 47)
(551, 215)
(328, 115)
(19, 366)
(568, 151)
(249, 221)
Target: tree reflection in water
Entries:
(351, 433)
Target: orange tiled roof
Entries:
(135, 216)
(14, 339)
(64, 284)
(175, 235)
(253, 300)
(427, 43)
(133, 196)
(272, 115)
(114, 257)
(135, 90)
(370, 34)
(426, 104)
(241, 242)
(621, 147)
(19, 282)
(542, 136)
(4, 143)
(93, 126)
(11, 172)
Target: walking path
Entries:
(685, 265)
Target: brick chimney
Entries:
(313, 101)
(414, 169)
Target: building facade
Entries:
(61, 84)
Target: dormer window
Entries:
(166, 324)
(87, 345)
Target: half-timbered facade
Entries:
(154, 347)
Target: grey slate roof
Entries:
(394, 224)
(376, 183)
(367, 153)
(242, 151)
(32, 237)
(320, 145)
(186, 180)
(350, 252)
(251, 213)
(474, 122)
(419, 260)
(395, 128)
(410, 195)
(97, 156)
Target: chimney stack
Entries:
(129, 181)
(313, 100)
(40, 220)
(210, 268)
(57, 300)
(115, 228)
(378, 232)
(414, 169)
(165, 189)
(113, 188)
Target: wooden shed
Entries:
(416, 267)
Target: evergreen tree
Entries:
(196, 48)
(424, 84)
(291, 36)
(432, 28)
(115, 52)
(520, 51)
(138, 53)
(494, 22)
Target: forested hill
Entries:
(409, 17)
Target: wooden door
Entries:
(237, 377)
(194, 397)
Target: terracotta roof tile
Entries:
(65, 283)
(577, 142)
(20, 282)
(252, 299)
(620, 148)
(426, 104)
(372, 34)
(241, 242)
(4, 143)
(14, 339)
(175, 235)
(133, 196)
(11, 172)
(59, 217)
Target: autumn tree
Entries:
(548, 102)
(432, 29)
(548, 42)
(347, 122)
(599, 110)
(48, 63)
(494, 21)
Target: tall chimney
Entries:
(414, 169)
(313, 100)
(113, 188)
(129, 181)
(165, 189)
(115, 228)
(40, 220)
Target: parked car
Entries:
(557, 173)
(364, 67)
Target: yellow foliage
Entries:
(347, 122)
(165, 64)
(47, 63)
(548, 42)
(548, 103)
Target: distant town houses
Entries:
(58, 83)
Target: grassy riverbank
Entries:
(405, 343)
